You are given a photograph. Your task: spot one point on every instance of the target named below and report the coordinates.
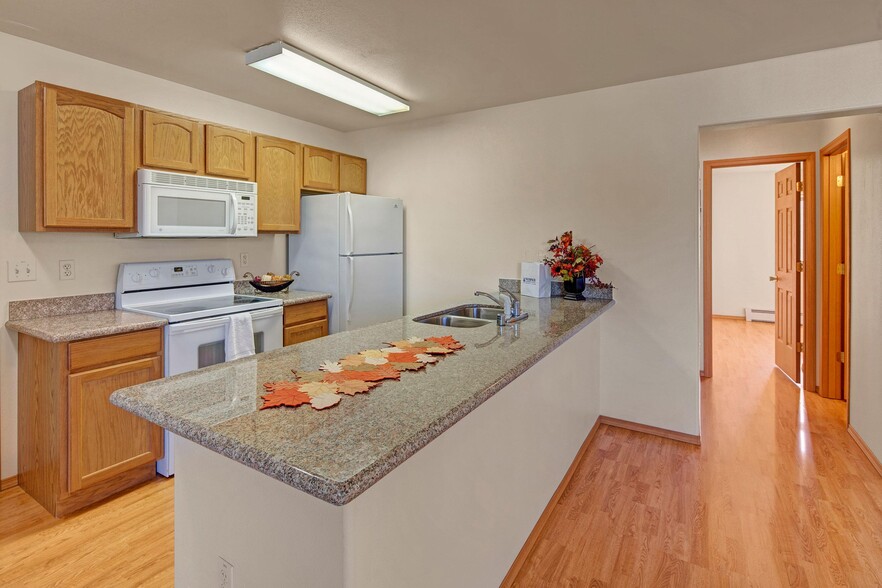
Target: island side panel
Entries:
(458, 512)
(454, 514)
(273, 534)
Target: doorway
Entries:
(803, 272)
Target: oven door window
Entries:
(215, 352)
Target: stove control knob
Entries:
(154, 273)
(211, 268)
(136, 278)
(225, 271)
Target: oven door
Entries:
(172, 211)
(201, 343)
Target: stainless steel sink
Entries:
(465, 316)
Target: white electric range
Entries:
(197, 299)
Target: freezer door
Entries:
(372, 291)
(370, 225)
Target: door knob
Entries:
(773, 278)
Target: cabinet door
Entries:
(229, 153)
(353, 174)
(88, 161)
(105, 440)
(278, 185)
(305, 332)
(321, 169)
(171, 142)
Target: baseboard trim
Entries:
(728, 317)
(10, 482)
(650, 430)
(874, 461)
(549, 508)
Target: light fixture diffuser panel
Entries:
(300, 68)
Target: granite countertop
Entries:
(288, 298)
(337, 453)
(84, 325)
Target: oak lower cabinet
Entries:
(172, 142)
(75, 448)
(321, 169)
(278, 185)
(304, 322)
(229, 153)
(76, 161)
(353, 174)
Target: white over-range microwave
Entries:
(184, 205)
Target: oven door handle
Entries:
(198, 324)
(266, 313)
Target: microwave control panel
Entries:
(246, 216)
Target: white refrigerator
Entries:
(352, 246)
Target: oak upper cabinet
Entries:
(321, 169)
(171, 142)
(353, 174)
(229, 153)
(76, 161)
(74, 447)
(278, 185)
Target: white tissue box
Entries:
(535, 279)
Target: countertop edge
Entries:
(342, 493)
(91, 333)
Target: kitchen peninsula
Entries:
(433, 480)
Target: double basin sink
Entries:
(465, 316)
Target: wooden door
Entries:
(353, 174)
(105, 440)
(321, 169)
(171, 142)
(229, 153)
(835, 196)
(278, 185)
(787, 278)
(88, 161)
(305, 332)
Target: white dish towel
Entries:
(240, 336)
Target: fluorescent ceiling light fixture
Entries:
(295, 66)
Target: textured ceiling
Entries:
(442, 56)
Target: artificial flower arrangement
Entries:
(574, 263)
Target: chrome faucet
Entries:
(511, 306)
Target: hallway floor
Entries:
(778, 494)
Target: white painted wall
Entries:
(743, 239)
(97, 255)
(620, 167)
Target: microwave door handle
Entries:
(234, 213)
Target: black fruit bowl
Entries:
(271, 286)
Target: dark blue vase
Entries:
(573, 288)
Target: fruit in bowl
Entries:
(270, 282)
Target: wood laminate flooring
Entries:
(127, 540)
(777, 495)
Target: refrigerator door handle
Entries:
(351, 227)
(351, 289)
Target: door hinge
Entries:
(841, 356)
(840, 181)
(800, 186)
(800, 347)
(800, 267)
(840, 269)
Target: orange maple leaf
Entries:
(447, 341)
(402, 357)
(283, 394)
(381, 372)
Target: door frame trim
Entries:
(834, 147)
(809, 230)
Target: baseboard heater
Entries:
(757, 314)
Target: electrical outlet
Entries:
(67, 269)
(224, 573)
(21, 270)
(243, 259)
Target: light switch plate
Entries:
(20, 270)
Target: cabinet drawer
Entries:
(305, 332)
(113, 349)
(305, 313)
